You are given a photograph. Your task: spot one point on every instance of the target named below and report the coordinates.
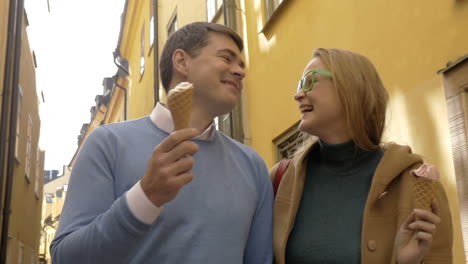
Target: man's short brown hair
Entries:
(190, 38)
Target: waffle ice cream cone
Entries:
(179, 102)
(425, 186)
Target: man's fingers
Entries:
(176, 138)
(182, 165)
(180, 151)
(182, 179)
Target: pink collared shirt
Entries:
(141, 207)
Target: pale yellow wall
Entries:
(407, 41)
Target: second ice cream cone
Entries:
(425, 186)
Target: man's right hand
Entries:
(169, 167)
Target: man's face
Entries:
(216, 72)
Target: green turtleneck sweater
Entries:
(328, 223)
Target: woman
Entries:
(346, 197)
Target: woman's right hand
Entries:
(414, 238)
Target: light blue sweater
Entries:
(223, 216)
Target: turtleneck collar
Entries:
(341, 158)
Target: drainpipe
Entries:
(12, 130)
(156, 52)
(235, 119)
(125, 98)
(122, 65)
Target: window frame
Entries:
(28, 157)
(272, 12)
(38, 170)
(214, 6)
(288, 142)
(142, 51)
(172, 25)
(18, 125)
(455, 81)
(152, 37)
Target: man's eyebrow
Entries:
(234, 55)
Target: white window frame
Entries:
(213, 8)
(151, 26)
(32, 256)
(20, 253)
(172, 26)
(18, 124)
(38, 170)
(27, 167)
(271, 6)
(142, 50)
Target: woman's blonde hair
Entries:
(361, 93)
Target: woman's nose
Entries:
(299, 95)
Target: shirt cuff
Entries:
(140, 206)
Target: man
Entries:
(141, 193)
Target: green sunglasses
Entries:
(308, 79)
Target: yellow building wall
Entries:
(25, 219)
(407, 41)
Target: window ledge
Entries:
(274, 16)
(217, 14)
(28, 180)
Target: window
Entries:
(20, 253)
(212, 8)
(38, 173)
(456, 93)
(271, 6)
(142, 50)
(151, 32)
(50, 197)
(288, 142)
(172, 26)
(59, 192)
(9, 249)
(32, 257)
(28, 166)
(18, 122)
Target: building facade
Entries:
(55, 192)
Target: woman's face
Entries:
(322, 113)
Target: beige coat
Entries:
(388, 204)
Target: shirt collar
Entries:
(162, 118)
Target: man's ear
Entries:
(180, 61)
